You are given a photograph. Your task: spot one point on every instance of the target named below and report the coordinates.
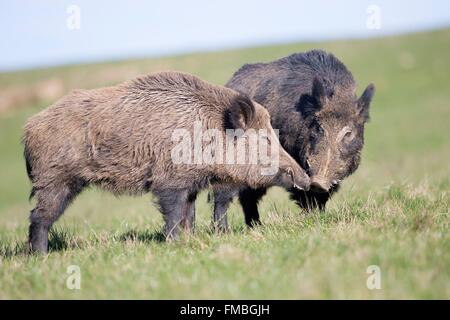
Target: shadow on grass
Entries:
(62, 239)
(144, 236)
(151, 236)
(14, 249)
(59, 240)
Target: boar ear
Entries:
(309, 104)
(240, 114)
(364, 102)
(318, 91)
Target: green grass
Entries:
(393, 212)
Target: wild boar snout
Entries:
(291, 175)
(289, 178)
(320, 184)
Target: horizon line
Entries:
(225, 48)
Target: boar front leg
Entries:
(249, 199)
(223, 196)
(174, 205)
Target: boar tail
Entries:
(33, 191)
(28, 163)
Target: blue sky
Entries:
(35, 33)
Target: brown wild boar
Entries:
(120, 138)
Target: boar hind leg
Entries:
(51, 203)
(249, 199)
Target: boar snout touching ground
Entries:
(143, 136)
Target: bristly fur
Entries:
(120, 139)
(311, 98)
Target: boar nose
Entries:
(319, 184)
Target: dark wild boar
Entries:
(121, 139)
(311, 100)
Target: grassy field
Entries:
(393, 212)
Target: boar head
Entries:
(248, 116)
(332, 134)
